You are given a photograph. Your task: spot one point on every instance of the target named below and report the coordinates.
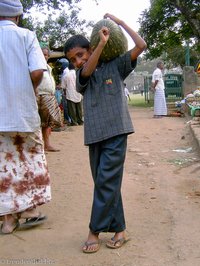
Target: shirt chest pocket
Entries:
(110, 85)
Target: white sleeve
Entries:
(35, 55)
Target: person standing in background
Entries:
(73, 97)
(24, 175)
(65, 70)
(158, 86)
(127, 94)
(49, 109)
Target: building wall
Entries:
(191, 80)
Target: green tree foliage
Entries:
(56, 31)
(61, 20)
(43, 5)
(167, 25)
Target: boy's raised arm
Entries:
(140, 44)
(92, 62)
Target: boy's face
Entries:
(78, 56)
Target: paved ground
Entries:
(161, 192)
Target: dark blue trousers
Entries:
(107, 162)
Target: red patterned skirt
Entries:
(24, 175)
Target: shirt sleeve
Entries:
(35, 56)
(81, 83)
(63, 82)
(156, 75)
(125, 65)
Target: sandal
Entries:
(114, 244)
(31, 222)
(89, 244)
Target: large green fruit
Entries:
(117, 43)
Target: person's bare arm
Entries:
(153, 85)
(36, 77)
(140, 44)
(92, 62)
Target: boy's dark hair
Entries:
(76, 41)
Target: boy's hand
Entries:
(104, 34)
(115, 19)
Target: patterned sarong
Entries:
(24, 176)
(49, 111)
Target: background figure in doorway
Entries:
(73, 97)
(160, 106)
(48, 107)
(24, 176)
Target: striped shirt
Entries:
(105, 106)
(20, 54)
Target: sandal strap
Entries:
(88, 244)
(120, 240)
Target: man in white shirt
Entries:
(127, 94)
(160, 107)
(68, 84)
(25, 180)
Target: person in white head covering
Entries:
(10, 8)
(24, 176)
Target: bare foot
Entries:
(119, 235)
(92, 244)
(157, 116)
(9, 224)
(117, 240)
(30, 214)
(51, 149)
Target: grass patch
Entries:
(138, 100)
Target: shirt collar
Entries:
(7, 23)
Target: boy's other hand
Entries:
(112, 17)
(104, 34)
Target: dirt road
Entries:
(161, 191)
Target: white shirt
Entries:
(47, 85)
(20, 54)
(68, 82)
(126, 91)
(157, 75)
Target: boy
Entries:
(106, 125)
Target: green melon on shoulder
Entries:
(117, 43)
